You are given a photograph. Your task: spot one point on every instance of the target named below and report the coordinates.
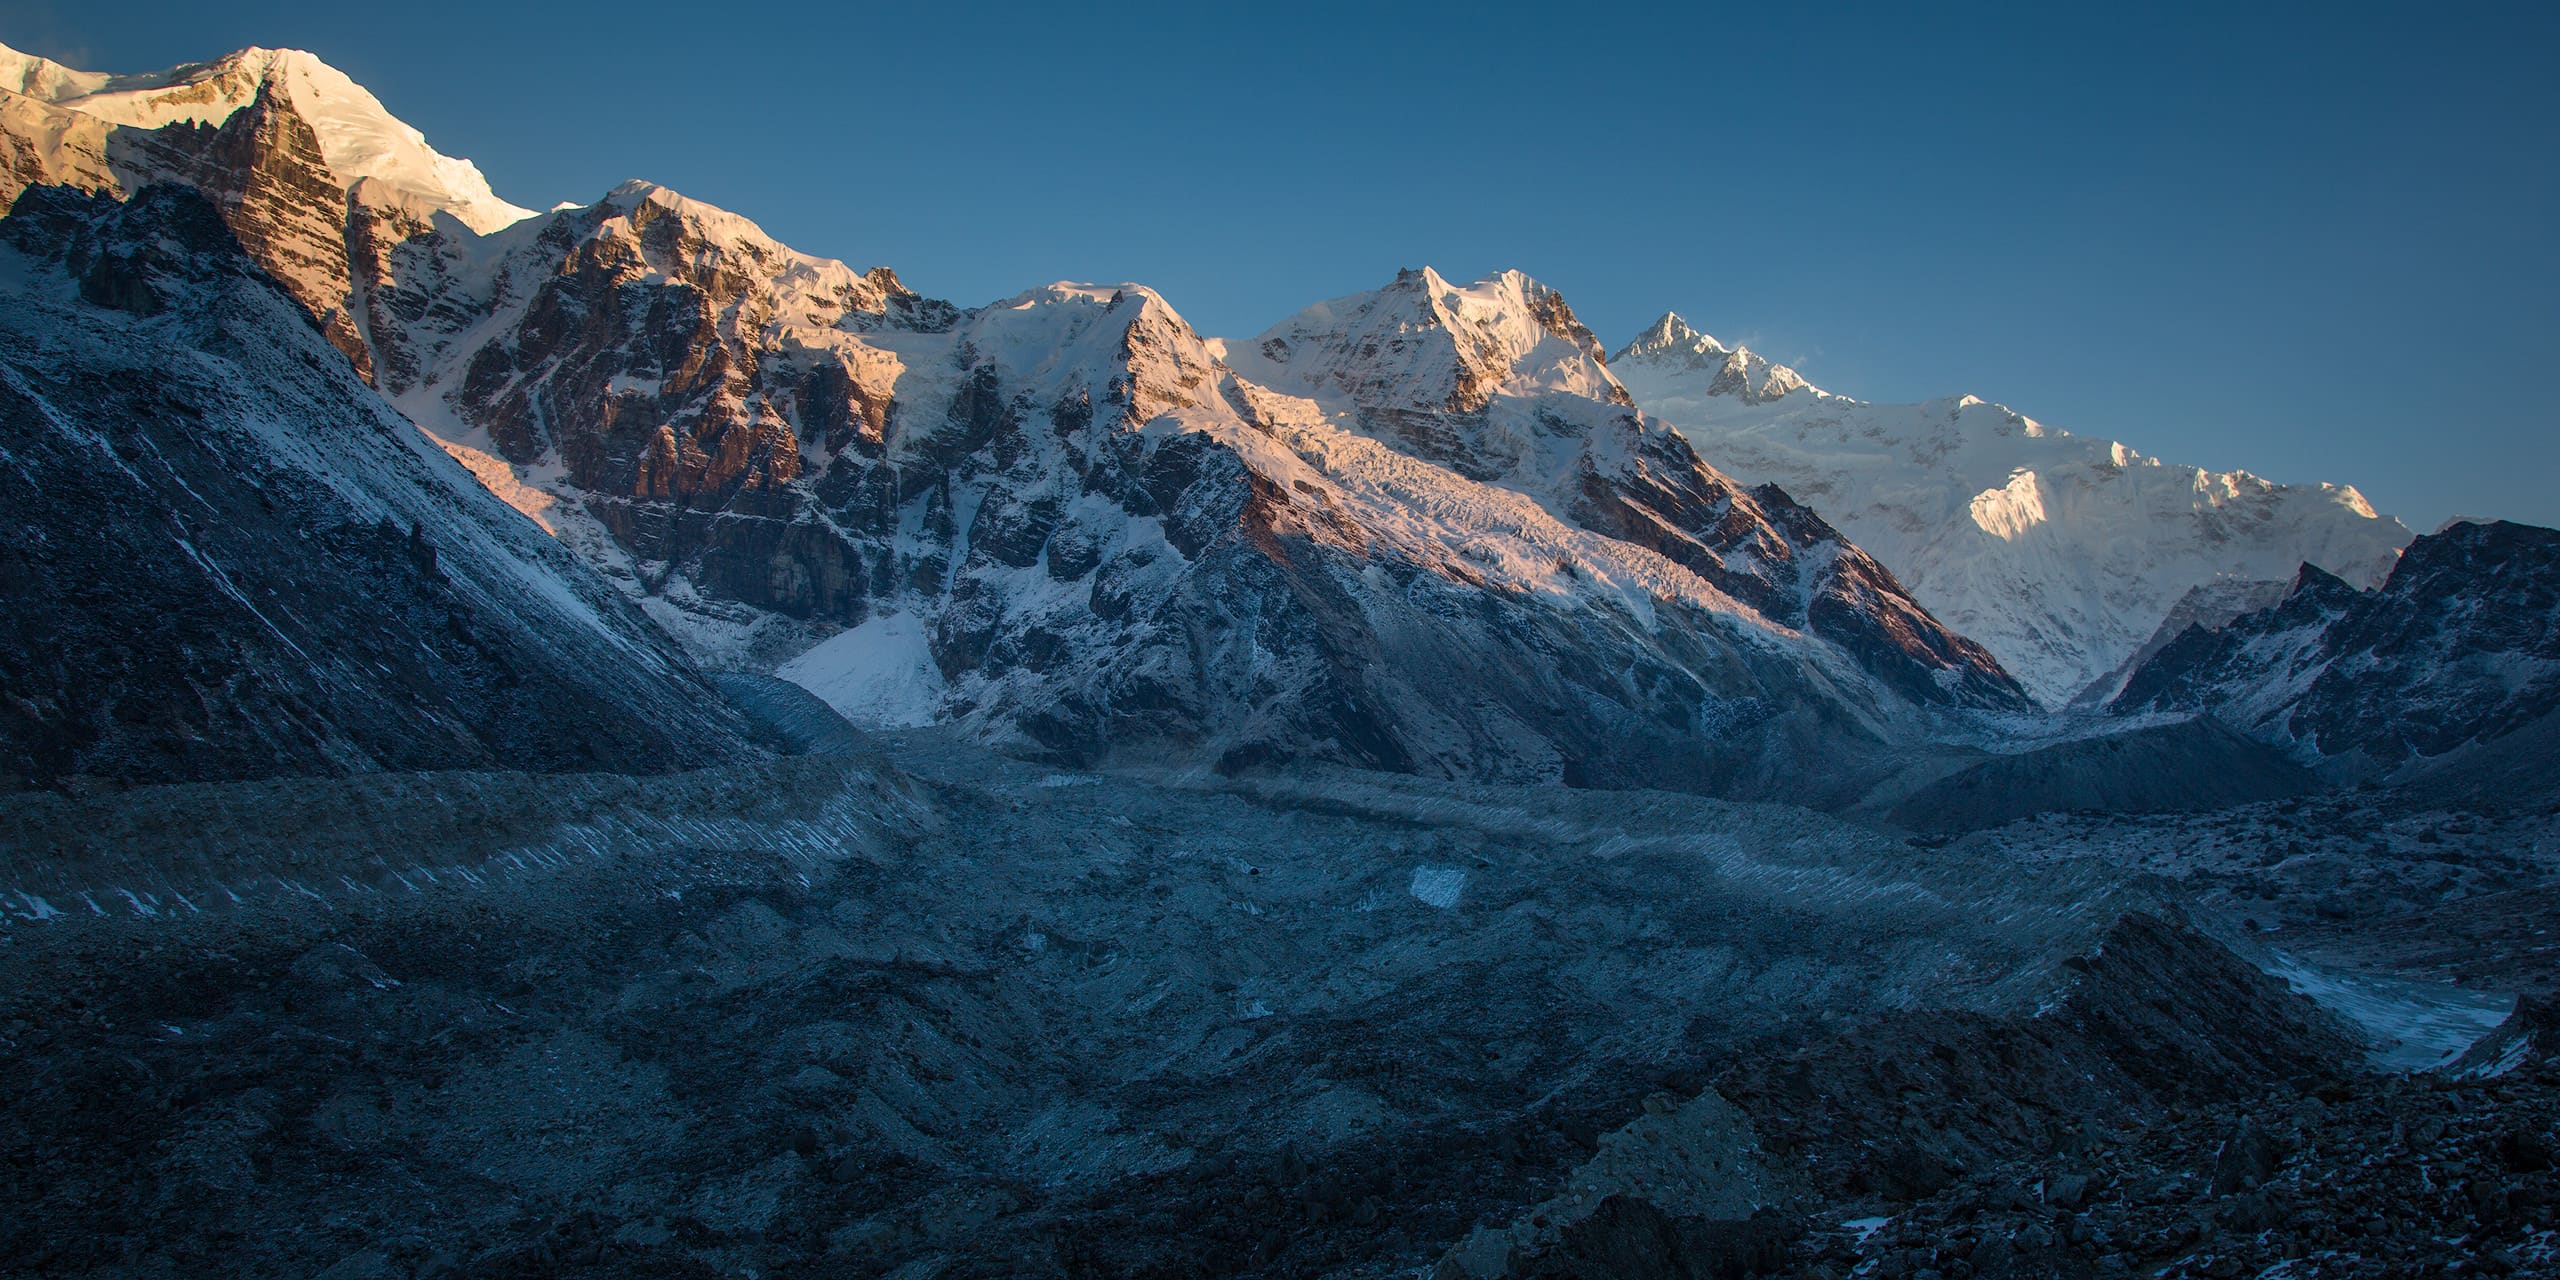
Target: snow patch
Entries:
(2413, 1025)
(879, 675)
(1438, 886)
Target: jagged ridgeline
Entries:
(2459, 647)
(1422, 529)
(1426, 528)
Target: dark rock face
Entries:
(641, 361)
(2203, 664)
(2460, 645)
(651, 351)
(225, 557)
(1631, 1239)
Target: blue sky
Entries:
(2321, 245)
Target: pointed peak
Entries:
(637, 195)
(1671, 348)
(1084, 293)
(1670, 337)
(1421, 344)
(632, 191)
(1421, 283)
(2315, 586)
(358, 138)
(1126, 304)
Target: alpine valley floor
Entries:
(908, 1008)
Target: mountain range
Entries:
(1430, 528)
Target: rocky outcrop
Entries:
(2155, 1017)
(225, 557)
(2460, 645)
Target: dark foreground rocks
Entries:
(2360, 1176)
(967, 1017)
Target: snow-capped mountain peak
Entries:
(1672, 337)
(358, 138)
(2062, 554)
(681, 238)
(1423, 345)
(1670, 346)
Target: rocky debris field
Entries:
(2378, 1175)
(919, 1010)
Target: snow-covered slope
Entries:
(225, 556)
(2061, 554)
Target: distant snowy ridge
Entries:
(2061, 554)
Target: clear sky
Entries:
(2321, 245)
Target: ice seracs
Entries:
(2061, 554)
